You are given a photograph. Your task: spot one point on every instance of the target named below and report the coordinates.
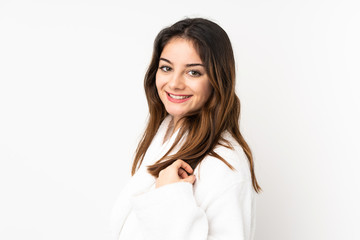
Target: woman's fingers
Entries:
(191, 179)
(181, 164)
(178, 171)
(182, 173)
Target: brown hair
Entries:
(220, 113)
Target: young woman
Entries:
(193, 173)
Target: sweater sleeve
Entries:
(171, 212)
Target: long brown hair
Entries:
(220, 113)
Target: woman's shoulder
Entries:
(211, 170)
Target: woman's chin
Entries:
(176, 114)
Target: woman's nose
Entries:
(176, 82)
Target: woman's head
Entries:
(182, 81)
(209, 77)
(192, 77)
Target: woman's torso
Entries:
(124, 222)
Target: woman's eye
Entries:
(194, 73)
(165, 68)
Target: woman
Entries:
(192, 130)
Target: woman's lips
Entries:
(177, 98)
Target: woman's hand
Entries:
(176, 172)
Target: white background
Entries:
(72, 108)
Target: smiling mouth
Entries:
(178, 97)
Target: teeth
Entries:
(178, 97)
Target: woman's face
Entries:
(181, 80)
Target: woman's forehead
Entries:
(181, 50)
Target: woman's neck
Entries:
(173, 126)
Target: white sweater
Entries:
(220, 205)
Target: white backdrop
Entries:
(72, 109)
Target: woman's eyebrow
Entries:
(187, 65)
(194, 64)
(164, 59)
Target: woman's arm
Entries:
(171, 212)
